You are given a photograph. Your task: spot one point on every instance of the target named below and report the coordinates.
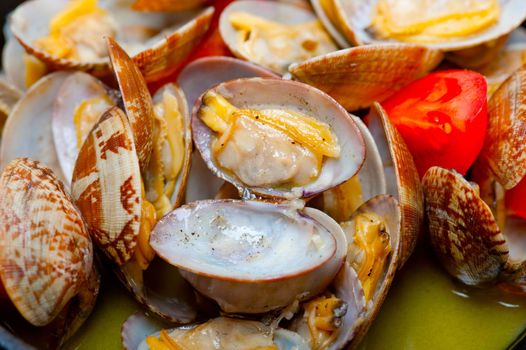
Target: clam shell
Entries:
(182, 179)
(137, 100)
(235, 289)
(168, 5)
(478, 56)
(27, 132)
(515, 269)
(402, 178)
(462, 228)
(332, 25)
(173, 46)
(283, 13)
(389, 209)
(13, 63)
(160, 289)
(157, 57)
(273, 93)
(76, 88)
(503, 149)
(29, 21)
(47, 253)
(348, 288)
(358, 76)
(106, 186)
(194, 80)
(203, 73)
(137, 327)
(356, 18)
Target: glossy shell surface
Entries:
(45, 247)
(106, 186)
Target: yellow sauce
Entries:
(425, 309)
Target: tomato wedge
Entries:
(442, 118)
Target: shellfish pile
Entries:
(239, 200)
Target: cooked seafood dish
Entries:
(263, 174)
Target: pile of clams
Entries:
(240, 204)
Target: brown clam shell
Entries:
(164, 58)
(358, 76)
(46, 251)
(403, 181)
(503, 149)
(137, 100)
(106, 186)
(167, 5)
(463, 231)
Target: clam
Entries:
(373, 235)
(197, 77)
(462, 228)
(381, 21)
(358, 76)
(402, 178)
(77, 106)
(503, 151)
(319, 145)
(228, 251)
(140, 331)
(49, 278)
(27, 131)
(168, 5)
(136, 98)
(132, 194)
(273, 34)
(64, 35)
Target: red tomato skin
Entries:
(442, 118)
(515, 199)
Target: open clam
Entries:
(358, 76)
(48, 279)
(64, 35)
(302, 124)
(434, 24)
(205, 247)
(121, 218)
(194, 80)
(273, 34)
(228, 251)
(132, 195)
(139, 332)
(402, 178)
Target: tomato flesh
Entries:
(442, 117)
